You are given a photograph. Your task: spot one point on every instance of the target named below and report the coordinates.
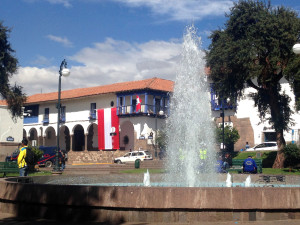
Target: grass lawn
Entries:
(30, 174)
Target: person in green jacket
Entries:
(21, 159)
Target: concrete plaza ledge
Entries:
(34, 197)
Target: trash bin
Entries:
(137, 164)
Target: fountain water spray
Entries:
(248, 181)
(147, 179)
(191, 142)
(228, 180)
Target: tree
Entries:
(231, 136)
(8, 66)
(255, 50)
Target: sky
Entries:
(105, 41)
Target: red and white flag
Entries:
(138, 104)
(108, 129)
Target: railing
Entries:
(31, 119)
(92, 116)
(62, 118)
(46, 119)
(216, 105)
(150, 110)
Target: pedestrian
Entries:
(247, 145)
(249, 165)
(21, 159)
(63, 161)
(226, 162)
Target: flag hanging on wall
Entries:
(108, 129)
(138, 103)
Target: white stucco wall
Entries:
(77, 112)
(246, 109)
(10, 127)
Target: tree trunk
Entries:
(279, 161)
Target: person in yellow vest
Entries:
(203, 156)
(21, 159)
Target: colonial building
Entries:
(112, 118)
(245, 118)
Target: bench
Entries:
(237, 165)
(8, 167)
(272, 178)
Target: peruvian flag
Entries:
(138, 104)
(108, 129)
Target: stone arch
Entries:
(33, 137)
(64, 138)
(24, 134)
(78, 138)
(40, 137)
(50, 137)
(92, 137)
(127, 136)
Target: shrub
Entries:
(292, 155)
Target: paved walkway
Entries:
(6, 219)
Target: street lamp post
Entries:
(296, 48)
(63, 71)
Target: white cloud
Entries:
(65, 3)
(42, 61)
(103, 63)
(62, 40)
(182, 10)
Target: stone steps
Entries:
(100, 168)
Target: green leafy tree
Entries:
(8, 66)
(255, 50)
(292, 155)
(231, 136)
(161, 139)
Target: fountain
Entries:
(188, 194)
(190, 126)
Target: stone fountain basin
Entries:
(48, 197)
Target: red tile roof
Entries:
(153, 84)
(3, 102)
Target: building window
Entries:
(93, 111)
(63, 114)
(46, 116)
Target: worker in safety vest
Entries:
(202, 154)
(181, 154)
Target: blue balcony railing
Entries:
(31, 119)
(46, 119)
(150, 110)
(92, 116)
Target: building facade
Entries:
(136, 111)
(112, 118)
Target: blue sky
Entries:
(105, 41)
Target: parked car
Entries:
(265, 146)
(47, 159)
(132, 156)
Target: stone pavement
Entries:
(6, 219)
